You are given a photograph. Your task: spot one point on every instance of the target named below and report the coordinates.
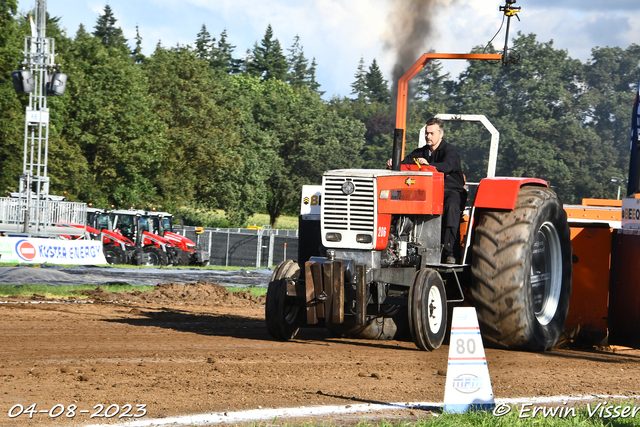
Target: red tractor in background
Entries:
(137, 226)
(369, 261)
(162, 226)
(117, 248)
(142, 238)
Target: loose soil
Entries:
(195, 348)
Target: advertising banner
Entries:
(311, 203)
(631, 213)
(51, 251)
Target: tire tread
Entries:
(501, 238)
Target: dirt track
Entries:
(194, 349)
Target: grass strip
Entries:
(66, 291)
(190, 267)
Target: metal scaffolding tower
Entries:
(33, 211)
(39, 57)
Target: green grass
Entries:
(67, 291)
(217, 218)
(513, 419)
(283, 222)
(488, 419)
(255, 291)
(62, 291)
(209, 267)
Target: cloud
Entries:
(338, 32)
(577, 26)
(597, 6)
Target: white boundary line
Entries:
(314, 411)
(47, 302)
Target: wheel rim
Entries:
(110, 256)
(290, 310)
(290, 313)
(153, 259)
(435, 309)
(546, 273)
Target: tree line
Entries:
(202, 127)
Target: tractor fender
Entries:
(502, 193)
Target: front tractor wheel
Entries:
(181, 257)
(114, 254)
(427, 309)
(282, 313)
(156, 256)
(522, 272)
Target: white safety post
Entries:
(272, 239)
(227, 252)
(468, 386)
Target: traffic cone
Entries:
(468, 385)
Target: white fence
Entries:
(42, 216)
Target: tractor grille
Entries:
(354, 212)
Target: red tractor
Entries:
(369, 262)
(162, 226)
(137, 226)
(117, 248)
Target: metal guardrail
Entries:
(43, 217)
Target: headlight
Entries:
(334, 237)
(363, 238)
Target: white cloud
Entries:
(339, 32)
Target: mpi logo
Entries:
(467, 383)
(25, 250)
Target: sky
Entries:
(340, 32)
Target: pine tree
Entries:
(204, 44)
(106, 29)
(223, 56)
(311, 73)
(360, 88)
(249, 62)
(298, 65)
(376, 85)
(433, 90)
(268, 60)
(82, 32)
(136, 54)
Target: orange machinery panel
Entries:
(588, 307)
(595, 213)
(624, 296)
(411, 194)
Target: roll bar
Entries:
(403, 85)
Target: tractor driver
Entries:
(445, 158)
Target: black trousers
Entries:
(454, 202)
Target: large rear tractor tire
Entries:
(114, 254)
(427, 309)
(282, 313)
(156, 255)
(522, 272)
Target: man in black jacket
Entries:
(445, 158)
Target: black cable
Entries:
(498, 32)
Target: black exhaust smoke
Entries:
(411, 26)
